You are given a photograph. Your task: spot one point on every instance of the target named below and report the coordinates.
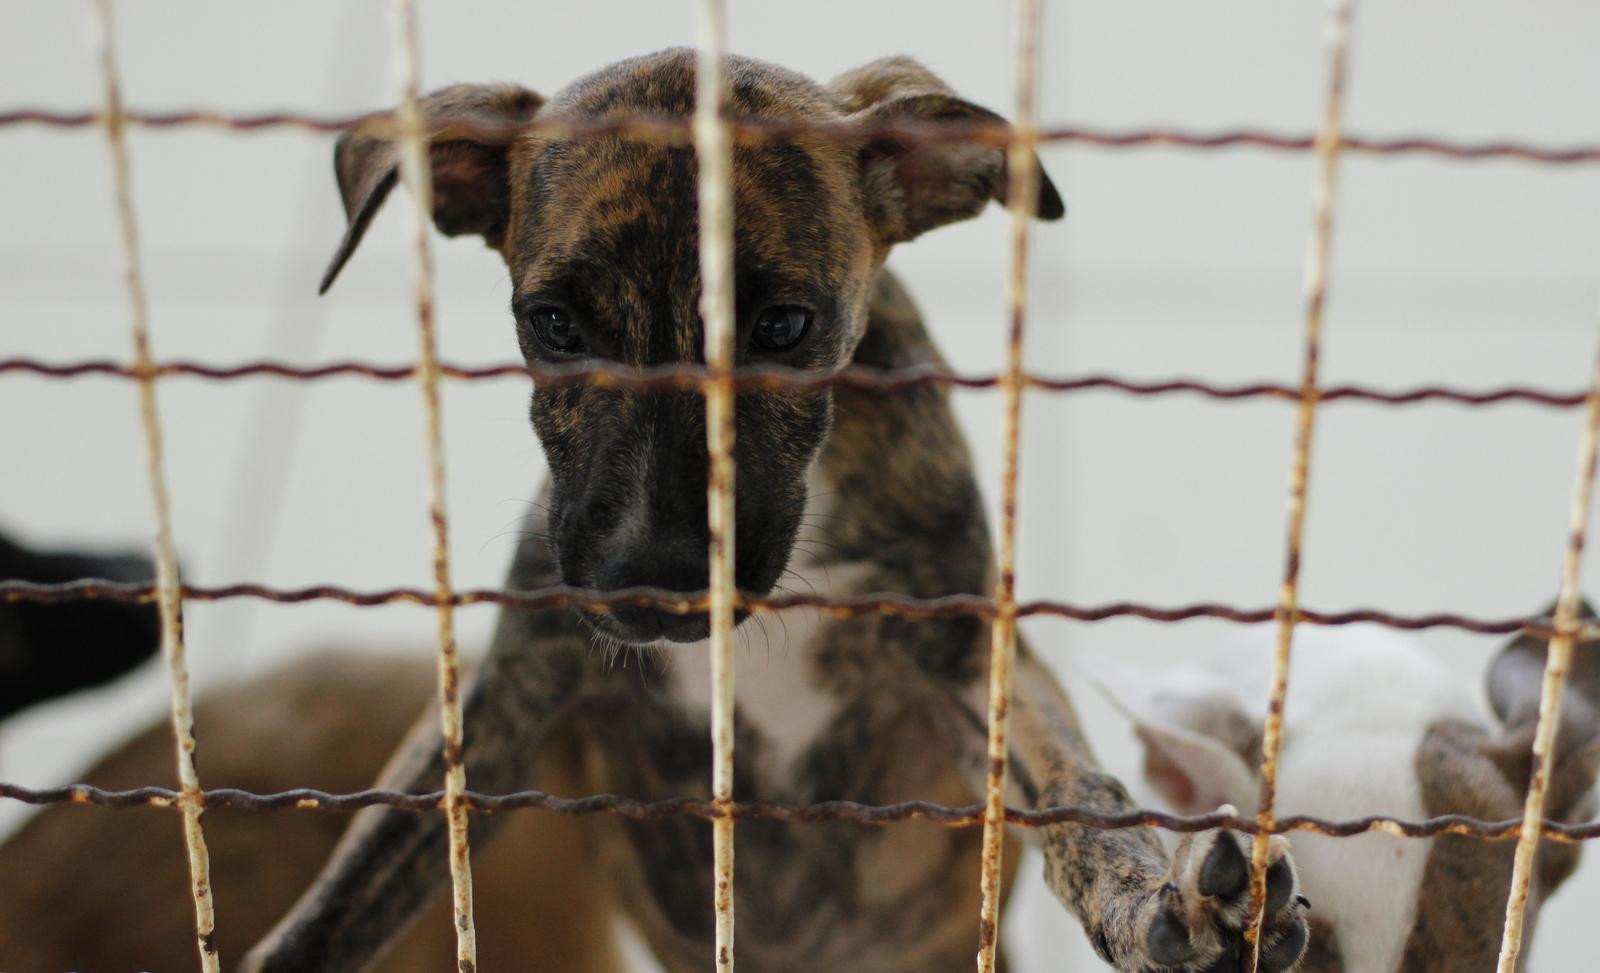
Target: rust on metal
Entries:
(411, 136)
(1022, 192)
(964, 816)
(677, 130)
(693, 378)
(713, 149)
(1328, 145)
(1557, 664)
(168, 591)
(679, 603)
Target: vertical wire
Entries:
(169, 593)
(1328, 145)
(714, 155)
(416, 174)
(1557, 664)
(1022, 198)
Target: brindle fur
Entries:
(871, 490)
(1465, 769)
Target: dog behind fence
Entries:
(718, 381)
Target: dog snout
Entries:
(675, 566)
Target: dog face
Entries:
(600, 234)
(1377, 726)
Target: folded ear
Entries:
(471, 130)
(1192, 772)
(1515, 680)
(912, 187)
(1200, 745)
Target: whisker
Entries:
(519, 534)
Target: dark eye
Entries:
(781, 327)
(556, 330)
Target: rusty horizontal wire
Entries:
(961, 816)
(677, 129)
(764, 378)
(684, 603)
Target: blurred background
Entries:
(1171, 262)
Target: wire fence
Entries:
(169, 596)
(712, 135)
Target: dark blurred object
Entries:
(51, 650)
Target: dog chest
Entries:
(779, 691)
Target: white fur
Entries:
(1360, 700)
(774, 685)
(1361, 703)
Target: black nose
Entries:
(673, 567)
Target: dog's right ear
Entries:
(1515, 680)
(471, 129)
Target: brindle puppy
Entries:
(846, 490)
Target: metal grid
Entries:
(1316, 298)
(417, 176)
(713, 148)
(169, 597)
(1022, 195)
(712, 136)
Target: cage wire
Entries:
(713, 135)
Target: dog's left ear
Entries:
(913, 188)
(471, 128)
(1515, 680)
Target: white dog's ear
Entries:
(1515, 680)
(1192, 772)
(911, 188)
(1200, 746)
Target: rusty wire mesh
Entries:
(416, 173)
(169, 597)
(1318, 255)
(1021, 196)
(678, 129)
(713, 149)
(712, 134)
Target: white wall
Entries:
(1171, 262)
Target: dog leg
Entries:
(391, 863)
(1142, 912)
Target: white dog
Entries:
(1377, 725)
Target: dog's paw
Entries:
(1195, 922)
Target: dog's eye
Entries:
(780, 328)
(556, 330)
